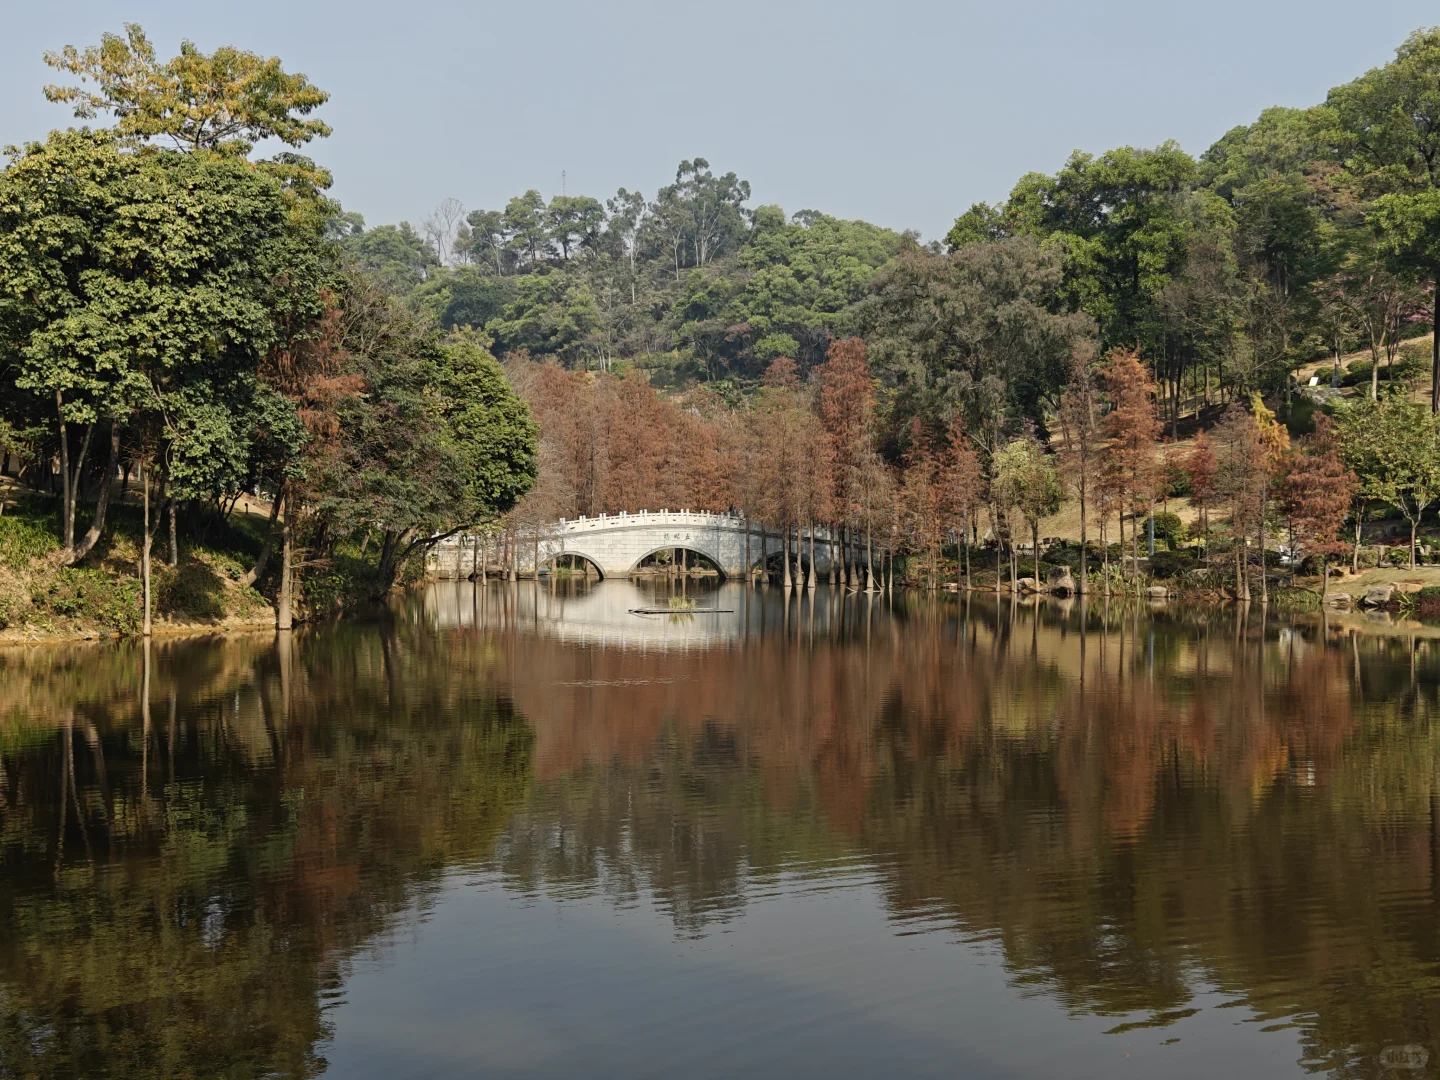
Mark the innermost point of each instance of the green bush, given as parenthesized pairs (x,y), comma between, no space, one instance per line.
(1168,564)
(1168,528)
(24,539)
(1368,558)
(1399,556)
(82,594)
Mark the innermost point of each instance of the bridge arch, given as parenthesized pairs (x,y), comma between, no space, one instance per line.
(695,549)
(589,560)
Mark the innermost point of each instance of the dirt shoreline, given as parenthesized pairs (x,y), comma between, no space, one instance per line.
(30,636)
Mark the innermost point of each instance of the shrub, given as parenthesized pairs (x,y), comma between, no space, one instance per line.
(25,539)
(1368,558)
(1399,556)
(1168,564)
(84,595)
(1169,528)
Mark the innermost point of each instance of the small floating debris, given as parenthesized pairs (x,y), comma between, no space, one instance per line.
(680,611)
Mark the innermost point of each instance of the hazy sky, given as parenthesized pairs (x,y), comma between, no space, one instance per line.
(902,113)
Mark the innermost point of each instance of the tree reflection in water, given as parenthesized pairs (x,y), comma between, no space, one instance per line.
(1133,805)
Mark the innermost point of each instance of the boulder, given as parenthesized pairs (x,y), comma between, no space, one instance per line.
(1060,581)
(1157,592)
(1027,584)
(1338,599)
(1378,595)
(1409,586)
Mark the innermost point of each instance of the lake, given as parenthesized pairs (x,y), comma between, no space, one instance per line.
(517,830)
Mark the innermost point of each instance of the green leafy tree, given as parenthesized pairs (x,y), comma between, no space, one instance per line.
(145,297)
(396,255)
(1393,446)
(1027,482)
(575,222)
(1386,131)
(438,441)
(527,231)
(976,332)
(227,100)
(1119,219)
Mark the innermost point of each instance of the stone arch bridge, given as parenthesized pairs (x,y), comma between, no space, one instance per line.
(616,544)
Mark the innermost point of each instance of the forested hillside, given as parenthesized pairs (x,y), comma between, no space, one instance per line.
(176,309)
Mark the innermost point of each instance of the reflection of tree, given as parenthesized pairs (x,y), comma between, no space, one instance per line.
(1150,806)
(1207,805)
(220,867)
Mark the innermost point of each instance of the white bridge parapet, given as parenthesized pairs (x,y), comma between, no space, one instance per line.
(615,544)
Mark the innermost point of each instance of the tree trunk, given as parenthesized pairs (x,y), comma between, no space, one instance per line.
(1105,558)
(969,582)
(810,576)
(869,560)
(960,552)
(67,525)
(999,550)
(253,575)
(1355,550)
(1324,576)
(1084,584)
(748,564)
(1035,549)
(1242,579)
(144,550)
(1435,348)
(284,615)
(1414,524)
(785,556)
(174,542)
(764,553)
(102,502)
(1264,585)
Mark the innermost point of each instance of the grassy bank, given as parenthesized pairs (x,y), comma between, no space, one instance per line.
(101,595)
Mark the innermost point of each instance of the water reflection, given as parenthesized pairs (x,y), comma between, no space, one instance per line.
(1202,825)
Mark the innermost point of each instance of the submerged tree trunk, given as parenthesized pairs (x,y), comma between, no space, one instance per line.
(869,560)
(1242,579)
(999,551)
(1264,584)
(145,550)
(284,614)
(748,564)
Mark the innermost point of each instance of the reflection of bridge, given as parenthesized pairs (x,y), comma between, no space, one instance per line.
(616,544)
(603,614)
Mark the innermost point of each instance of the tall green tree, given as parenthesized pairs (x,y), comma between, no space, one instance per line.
(1385,128)
(1393,446)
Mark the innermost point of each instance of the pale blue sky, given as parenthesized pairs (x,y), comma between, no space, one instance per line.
(902,113)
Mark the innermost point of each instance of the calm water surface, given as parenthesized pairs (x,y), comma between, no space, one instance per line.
(522,832)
